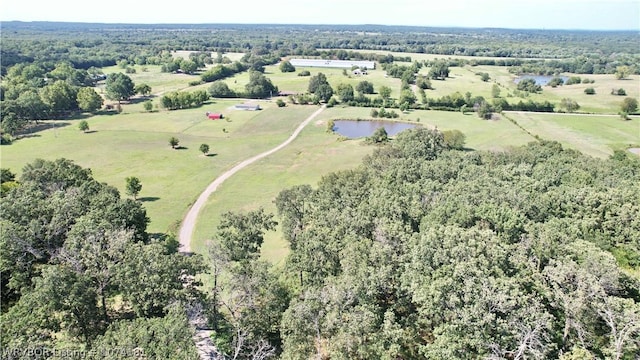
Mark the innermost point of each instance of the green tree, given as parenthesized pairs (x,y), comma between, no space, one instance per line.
(168,337)
(345,92)
(204,149)
(484,110)
(454,139)
(119,86)
(89,100)
(365,87)
(569,105)
(241,235)
(439,70)
(30,106)
(76,306)
(148,105)
(316,81)
(379,136)
(220,89)
(60,96)
(324,92)
(423,82)
(629,105)
(133,186)
(529,85)
(142,89)
(96,250)
(286,66)
(6,176)
(407,96)
(385,92)
(83,126)
(495,91)
(260,86)
(168,278)
(173,141)
(622,72)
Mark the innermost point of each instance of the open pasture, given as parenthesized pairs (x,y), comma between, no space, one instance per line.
(597,136)
(136,144)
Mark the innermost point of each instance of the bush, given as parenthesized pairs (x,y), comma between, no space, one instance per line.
(529,85)
(573,80)
(304,73)
(330,126)
(556,81)
(454,139)
(280,103)
(619,92)
(590,91)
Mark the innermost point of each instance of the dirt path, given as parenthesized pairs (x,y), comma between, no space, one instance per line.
(189,221)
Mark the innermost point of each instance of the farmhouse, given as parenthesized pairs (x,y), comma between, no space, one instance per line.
(248,107)
(341,64)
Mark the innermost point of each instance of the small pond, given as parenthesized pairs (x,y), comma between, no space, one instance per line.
(356,129)
(541,80)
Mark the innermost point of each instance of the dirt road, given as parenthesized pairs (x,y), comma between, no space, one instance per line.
(189,222)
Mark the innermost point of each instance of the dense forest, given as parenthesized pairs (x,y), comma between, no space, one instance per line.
(420,252)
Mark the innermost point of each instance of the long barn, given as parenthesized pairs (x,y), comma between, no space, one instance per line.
(342,64)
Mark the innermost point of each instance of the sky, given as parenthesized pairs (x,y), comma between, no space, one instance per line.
(515,14)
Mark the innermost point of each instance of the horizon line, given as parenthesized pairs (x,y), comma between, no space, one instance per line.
(321,24)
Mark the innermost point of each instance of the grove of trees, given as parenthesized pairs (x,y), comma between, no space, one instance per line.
(70,246)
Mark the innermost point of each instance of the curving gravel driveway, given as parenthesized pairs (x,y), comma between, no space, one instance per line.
(189,221)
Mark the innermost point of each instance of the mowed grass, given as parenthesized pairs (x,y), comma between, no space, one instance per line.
(136,144)
(602,102)
(313,154)
(596,136)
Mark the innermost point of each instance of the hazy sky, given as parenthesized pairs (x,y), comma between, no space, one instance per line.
(528,14)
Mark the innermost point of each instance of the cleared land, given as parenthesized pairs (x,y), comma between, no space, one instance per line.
(135,143)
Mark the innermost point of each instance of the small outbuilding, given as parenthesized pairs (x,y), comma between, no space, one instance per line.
(214,116)
(249,107)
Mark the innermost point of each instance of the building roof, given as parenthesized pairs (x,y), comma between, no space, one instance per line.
(343,64)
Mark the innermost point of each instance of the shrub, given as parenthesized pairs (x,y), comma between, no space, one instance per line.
(280,103)
(573,80)
(304,73)
(590,91)
(330,125)
(619,92)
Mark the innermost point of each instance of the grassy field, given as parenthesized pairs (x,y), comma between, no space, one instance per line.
(592,135)
(313,154)
(135,143)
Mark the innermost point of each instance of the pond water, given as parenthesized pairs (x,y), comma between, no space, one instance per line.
(356,129)
(541,80)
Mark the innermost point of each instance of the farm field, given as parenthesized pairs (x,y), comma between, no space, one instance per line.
(135,142)
(597,136)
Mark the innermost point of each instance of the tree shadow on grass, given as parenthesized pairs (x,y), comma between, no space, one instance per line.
(148,199)
(91,131)
(211,155)
(180,148)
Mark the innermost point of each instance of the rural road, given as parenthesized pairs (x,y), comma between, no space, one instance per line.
(189,221)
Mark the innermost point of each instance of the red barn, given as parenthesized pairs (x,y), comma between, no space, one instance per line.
(214,116)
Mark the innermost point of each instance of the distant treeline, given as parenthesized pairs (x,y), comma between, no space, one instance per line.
(99,45)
